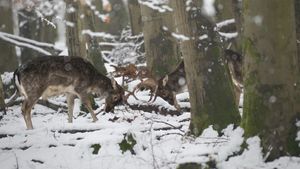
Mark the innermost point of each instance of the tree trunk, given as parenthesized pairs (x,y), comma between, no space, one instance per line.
(209,84)
(8,59)
(33,27)
(135,16)
(118,16)
(162,50)
(93,52)
(75,43)
(270,75)
(2,103)
(47,33)
(225,11)
(297,14)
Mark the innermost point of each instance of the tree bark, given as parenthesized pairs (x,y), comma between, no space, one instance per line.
(161,49)
(297,14)
(32,26)
(8,59)
(2,103)
(135,16)
(270,75)
(209,84)
(75,42)
(93,50)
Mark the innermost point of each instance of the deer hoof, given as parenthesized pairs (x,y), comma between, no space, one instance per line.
(95,119)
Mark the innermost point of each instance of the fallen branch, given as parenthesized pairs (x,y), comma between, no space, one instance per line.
(154,108)
(41,47)
(45,103)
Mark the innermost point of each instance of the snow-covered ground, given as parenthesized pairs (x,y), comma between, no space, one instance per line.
(159,142)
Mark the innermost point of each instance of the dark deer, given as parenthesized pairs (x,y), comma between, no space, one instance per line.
(53,75)
(235,64)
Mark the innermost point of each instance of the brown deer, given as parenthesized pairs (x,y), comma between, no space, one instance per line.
(53,75)
(165,87)
(129,71)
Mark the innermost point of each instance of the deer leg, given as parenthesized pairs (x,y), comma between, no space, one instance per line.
(26,112)
(87,103)
(70,101)
(155,95)
(176,105)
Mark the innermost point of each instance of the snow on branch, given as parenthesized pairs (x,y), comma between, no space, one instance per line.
(29,43)
(34,42)
(21,44)
(159,5)
(98,34)
(225,23)
(40,15)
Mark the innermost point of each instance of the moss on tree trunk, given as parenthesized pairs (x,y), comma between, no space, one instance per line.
(209,84)
(270,76)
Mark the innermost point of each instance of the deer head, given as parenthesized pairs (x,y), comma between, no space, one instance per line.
(115,98)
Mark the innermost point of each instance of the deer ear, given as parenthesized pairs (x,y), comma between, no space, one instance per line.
(165,80)
(114,84)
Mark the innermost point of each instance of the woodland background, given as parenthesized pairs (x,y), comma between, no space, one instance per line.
(160,34)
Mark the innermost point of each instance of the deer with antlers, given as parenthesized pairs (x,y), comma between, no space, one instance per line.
(54,75)
(165,87)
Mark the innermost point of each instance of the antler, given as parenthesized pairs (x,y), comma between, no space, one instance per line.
(129,71)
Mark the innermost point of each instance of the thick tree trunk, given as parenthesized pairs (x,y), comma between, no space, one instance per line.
(209,84)
(270,75)
(297,14)
(162,50)
(135,16)
(33,27)
(225,11)
(8,59)
(93,51)
(75,41)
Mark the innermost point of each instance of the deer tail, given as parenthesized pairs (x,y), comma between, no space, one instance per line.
(16,79)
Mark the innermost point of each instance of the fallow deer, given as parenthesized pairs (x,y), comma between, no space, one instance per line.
(129,71)
(53,75)
(165,87)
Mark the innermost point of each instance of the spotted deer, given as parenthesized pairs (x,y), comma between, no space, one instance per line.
(165,87)
(54,75)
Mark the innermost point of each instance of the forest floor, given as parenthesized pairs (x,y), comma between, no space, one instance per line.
(125,139)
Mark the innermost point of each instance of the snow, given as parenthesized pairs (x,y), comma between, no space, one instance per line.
(208,8)
(97,34)
(11,38)
(180,37)
(225,23)
(229,35)
(161,140)
(7,77)
(159,5)
(258,20)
